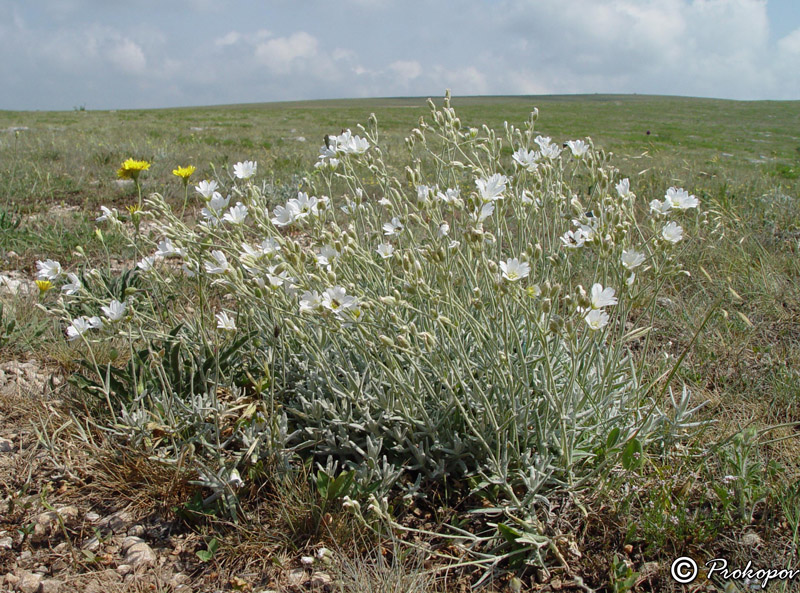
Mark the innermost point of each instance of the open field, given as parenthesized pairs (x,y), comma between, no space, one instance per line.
(732,322)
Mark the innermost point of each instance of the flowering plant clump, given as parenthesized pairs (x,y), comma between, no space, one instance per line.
(413,324)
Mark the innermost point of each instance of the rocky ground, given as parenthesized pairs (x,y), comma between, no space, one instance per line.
(61,530)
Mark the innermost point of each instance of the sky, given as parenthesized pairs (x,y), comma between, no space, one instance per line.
(115,54)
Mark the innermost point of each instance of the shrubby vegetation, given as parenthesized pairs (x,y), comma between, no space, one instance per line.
(472,319)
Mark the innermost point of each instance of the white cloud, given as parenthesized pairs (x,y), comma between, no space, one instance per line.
(127,56)
(281,54)
(791,43)
(406,70)
(462,81)
(66,52)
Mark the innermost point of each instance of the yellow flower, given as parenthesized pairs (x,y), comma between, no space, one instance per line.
(133,208)
(184,172)
(130,169)
(44,285)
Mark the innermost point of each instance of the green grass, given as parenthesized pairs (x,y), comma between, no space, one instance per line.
(742,159)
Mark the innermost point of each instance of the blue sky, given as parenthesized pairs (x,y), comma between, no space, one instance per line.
(110,54)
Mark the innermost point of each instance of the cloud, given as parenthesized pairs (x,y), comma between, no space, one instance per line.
(55,54)
(281,54)
(127,56)
(791,43)
(405,70)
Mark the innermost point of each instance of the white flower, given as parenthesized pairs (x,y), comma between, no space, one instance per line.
(602,297)
(385,250)
(326,255)
(215,205)
(245,170)
(115,310)
(424,193)
(146,263)
(189,269)
(167,249)
(48,270)
(270,246)
(225,322)
(660,207)
(237,214)
(206,189)
(304,205)
(310,301)
(450,196)
(485,212)
(680,199)
(672,232)
(250,254)
(81,325)
(492,189)
(337,300)
(385,202)
(344,143)
(217,202)
(574,239)
(632,259)
(285,215)
(235,480)
(578,147)
(443,230)
(528,199)
(322,554)
(551,151)
(219,265)
(73,286)
(624,188)
(596,319)
(527,159)
(393,228)
(514,270)
(107,214)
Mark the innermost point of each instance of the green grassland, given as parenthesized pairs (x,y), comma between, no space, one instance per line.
(742,160)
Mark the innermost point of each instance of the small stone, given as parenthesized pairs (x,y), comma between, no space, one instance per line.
(140,555)
(69,514)
(118,522)
(178,579)
(124,569)
(136,531)
(649,569)
(51,585)
(320,580)
(6,543)
(751,540)
(296,577)
(130,541)
(92,517)
(91,544)
(11,579)
(6,445)
(29,582)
